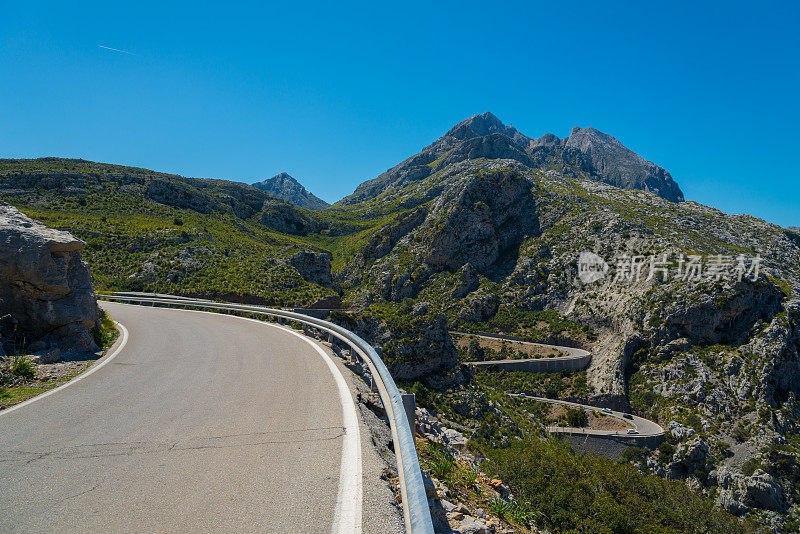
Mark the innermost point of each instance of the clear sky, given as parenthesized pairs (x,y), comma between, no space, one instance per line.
(335,93)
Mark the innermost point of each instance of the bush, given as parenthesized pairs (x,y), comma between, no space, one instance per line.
(750,466)
(576,417)
(177,221)
(665,451)
(23,367)
(105,334)
(567,492)
(740,433)
(635,454)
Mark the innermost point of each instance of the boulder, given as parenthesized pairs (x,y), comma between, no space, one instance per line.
(46,295)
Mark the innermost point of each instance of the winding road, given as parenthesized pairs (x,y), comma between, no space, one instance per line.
(575,359)
(644,427)
(200,422)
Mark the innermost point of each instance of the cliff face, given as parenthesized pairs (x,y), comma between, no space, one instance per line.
(713,354)
(46,296)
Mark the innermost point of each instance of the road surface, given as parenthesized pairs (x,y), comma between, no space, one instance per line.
(202,422)
(644,427)
(575,358)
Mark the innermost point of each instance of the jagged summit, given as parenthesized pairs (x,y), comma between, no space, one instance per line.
(284,187)
(586,152)
(479,125)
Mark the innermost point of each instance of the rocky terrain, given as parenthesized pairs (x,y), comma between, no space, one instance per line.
(691,314)
(46,299)
(284,187)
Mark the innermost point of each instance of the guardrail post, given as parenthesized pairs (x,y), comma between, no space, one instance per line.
(410,406)
(373,384)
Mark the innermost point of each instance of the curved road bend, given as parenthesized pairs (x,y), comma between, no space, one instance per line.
(571,352)
(202,422)
(645,427)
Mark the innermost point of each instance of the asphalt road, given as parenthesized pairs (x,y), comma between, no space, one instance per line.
(644,427)
(201,422)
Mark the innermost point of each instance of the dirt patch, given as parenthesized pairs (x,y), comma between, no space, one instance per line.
(593,420)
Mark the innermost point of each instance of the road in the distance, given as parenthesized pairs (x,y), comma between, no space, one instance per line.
(644,427)
(201,423)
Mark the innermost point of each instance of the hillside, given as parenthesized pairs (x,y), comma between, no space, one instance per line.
(159,232)
(549,239)
(284,187)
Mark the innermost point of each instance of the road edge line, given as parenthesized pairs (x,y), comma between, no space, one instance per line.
(347,518)
(93,368)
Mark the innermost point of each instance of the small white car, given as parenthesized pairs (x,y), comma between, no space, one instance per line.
(632,431)
(606,410)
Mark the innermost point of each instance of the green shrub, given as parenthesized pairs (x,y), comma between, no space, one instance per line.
(567,492)
(635,454)
(665,451)
(750,466)
(740,433)
(23,367)
(105,334)
(576,417)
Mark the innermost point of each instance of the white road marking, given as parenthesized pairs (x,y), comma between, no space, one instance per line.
(347,515)
(78,378)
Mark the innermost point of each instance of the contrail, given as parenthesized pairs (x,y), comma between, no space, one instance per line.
(116,50)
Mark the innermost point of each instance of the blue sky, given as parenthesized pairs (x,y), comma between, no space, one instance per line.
(336,93)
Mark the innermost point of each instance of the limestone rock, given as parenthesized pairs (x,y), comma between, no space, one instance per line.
(45,287)
(738,493)
(313,266)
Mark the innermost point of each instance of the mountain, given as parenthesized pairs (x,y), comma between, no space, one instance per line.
(794,229)
(487,230)
(587,153)
(489,234)
(286,188)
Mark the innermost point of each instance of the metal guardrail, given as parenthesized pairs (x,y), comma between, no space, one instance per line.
(416,513)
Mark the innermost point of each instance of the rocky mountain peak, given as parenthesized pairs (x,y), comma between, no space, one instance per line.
(478,126)
(284,187)
(608,159)
(587,152)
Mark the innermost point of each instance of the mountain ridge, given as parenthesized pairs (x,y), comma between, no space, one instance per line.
(484,243)
(586,152)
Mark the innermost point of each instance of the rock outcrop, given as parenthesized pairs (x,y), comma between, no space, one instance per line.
(46,296)
(284,187)
(415,348)
(312,266)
